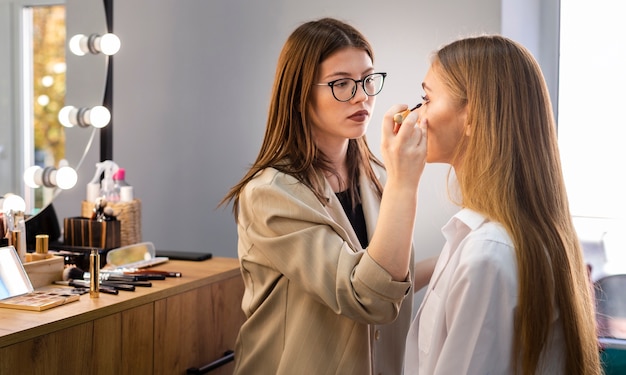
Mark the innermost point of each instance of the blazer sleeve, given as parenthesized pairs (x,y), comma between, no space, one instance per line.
(284,228)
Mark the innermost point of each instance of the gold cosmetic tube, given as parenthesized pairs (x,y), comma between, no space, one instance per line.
(94,271)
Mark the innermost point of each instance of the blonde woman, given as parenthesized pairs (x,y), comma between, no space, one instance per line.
(510,292)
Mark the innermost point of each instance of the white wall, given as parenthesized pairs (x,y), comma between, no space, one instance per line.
(191,86)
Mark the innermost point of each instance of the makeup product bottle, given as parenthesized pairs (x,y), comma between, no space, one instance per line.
(20,226)
(94,270)
(41,248)
(122,188)
(108,187)
(18,244)
(102,187)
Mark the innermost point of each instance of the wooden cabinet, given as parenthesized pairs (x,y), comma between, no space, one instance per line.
(176,324)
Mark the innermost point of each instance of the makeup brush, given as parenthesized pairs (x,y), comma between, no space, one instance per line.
(75,273)
(141,275)
(85,285)
(398,118)
(153,273)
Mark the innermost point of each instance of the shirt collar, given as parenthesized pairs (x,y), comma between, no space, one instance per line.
(464,221)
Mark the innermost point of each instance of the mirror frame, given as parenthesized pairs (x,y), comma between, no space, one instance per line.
(85,86)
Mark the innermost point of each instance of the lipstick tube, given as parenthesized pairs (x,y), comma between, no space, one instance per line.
(94,270)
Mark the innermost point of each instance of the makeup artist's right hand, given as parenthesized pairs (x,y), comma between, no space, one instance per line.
(404,155)
(404,148)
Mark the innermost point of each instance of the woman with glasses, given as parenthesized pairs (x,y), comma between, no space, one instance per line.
(326,257)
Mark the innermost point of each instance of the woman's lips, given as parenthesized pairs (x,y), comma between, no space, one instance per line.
(359,116)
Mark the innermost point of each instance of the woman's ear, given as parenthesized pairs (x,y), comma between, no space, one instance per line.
(463,118)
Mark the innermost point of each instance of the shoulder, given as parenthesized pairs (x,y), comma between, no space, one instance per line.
(273,187)
(488,247)
(273,179)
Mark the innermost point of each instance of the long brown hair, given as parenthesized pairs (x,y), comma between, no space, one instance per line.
(509,170)
(288,142)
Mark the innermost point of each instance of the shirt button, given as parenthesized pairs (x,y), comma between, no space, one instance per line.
(377,335)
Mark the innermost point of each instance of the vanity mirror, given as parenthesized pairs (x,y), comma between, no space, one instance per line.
(85,81)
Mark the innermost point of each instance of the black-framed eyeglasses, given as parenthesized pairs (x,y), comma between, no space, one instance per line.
(344,89)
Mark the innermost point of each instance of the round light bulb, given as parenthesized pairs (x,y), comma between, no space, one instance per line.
(99,116)
(66,178)
(32,176)
(13,203)
(64,116)
(75,45)
(110,44)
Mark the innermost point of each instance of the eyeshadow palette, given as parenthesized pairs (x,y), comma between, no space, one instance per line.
(17,292)
(40,300)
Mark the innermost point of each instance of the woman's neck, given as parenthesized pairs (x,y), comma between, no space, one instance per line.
(336,154)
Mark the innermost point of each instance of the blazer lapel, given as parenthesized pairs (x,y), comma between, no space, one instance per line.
(341,223)
(370,202)
(371,208)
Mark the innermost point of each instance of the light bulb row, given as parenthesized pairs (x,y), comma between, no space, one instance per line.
(97,116)
(109,44)
(65,177)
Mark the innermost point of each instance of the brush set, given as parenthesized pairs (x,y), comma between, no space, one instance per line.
(74,276)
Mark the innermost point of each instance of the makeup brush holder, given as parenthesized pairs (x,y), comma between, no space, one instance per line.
(84,232)
(129,216)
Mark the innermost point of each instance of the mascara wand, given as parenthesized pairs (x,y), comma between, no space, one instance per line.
(398,118)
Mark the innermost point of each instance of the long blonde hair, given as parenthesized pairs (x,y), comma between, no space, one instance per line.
(288,142)
(509,170)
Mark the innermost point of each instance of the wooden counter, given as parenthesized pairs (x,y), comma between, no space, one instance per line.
(176,324)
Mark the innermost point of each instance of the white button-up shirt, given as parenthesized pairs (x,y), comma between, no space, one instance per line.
(465,322)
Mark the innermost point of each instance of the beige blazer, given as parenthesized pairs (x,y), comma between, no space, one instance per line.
(316,302)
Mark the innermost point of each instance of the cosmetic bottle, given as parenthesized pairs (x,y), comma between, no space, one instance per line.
(104,188)
(122,188)
(107,185)
(18,235)
(16,242)
(94,270)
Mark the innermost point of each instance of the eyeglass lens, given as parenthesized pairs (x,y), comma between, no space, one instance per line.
(344,89)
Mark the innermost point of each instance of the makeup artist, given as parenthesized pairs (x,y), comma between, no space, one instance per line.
(325,239)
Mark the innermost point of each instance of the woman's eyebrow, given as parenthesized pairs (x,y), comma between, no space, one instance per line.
(368,71)
(336,74)
(348,74)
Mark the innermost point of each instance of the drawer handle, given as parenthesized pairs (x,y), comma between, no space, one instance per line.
(229,356)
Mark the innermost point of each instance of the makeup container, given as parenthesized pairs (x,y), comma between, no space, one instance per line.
(41,244)
(94,270)
(41,249)
(18,244)
(123,189)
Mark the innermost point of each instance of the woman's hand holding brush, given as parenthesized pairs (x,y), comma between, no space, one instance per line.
(398,118)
